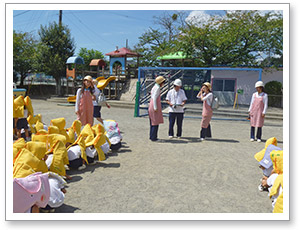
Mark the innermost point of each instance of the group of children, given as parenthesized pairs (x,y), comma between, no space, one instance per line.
(42,156)
(271,163)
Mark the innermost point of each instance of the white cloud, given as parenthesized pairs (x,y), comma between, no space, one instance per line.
(198,17)
(201,17)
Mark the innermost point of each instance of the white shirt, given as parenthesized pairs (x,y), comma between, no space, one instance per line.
(155,92)
(265,100)
(74,152)
(96,93)
(78,96)
(176,98)
(207,97)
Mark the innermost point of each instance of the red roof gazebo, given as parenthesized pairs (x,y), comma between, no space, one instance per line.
(121,55)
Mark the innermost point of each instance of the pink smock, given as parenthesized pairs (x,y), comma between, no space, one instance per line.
(86,108)
(206,114)
(155,117)
(256,119)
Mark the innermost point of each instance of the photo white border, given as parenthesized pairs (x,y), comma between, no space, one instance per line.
(144,216)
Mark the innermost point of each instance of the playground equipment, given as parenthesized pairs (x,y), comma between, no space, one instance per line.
(121,56)
(102,83)
(73,72)
(192,79)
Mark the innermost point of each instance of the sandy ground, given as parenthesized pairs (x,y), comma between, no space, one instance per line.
(170,176)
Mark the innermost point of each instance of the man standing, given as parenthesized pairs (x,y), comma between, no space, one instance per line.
(176,99)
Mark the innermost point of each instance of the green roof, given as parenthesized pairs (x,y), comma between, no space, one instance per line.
(178,55)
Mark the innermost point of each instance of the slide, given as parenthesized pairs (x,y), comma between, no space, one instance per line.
(102,83)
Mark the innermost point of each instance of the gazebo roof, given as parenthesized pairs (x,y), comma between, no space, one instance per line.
(97,62)
(172,56)
(75,59)
(122,52)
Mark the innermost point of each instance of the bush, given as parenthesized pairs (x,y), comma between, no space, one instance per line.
(274,91)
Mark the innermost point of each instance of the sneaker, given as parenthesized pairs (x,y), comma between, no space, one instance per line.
(82,167)
(170,137)
(258,140)
(201,139)
(251,139)
(260,188)
(178,137)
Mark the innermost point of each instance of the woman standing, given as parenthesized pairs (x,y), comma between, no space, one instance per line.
(84,108)
(206,96)
(257,110)
(154,110)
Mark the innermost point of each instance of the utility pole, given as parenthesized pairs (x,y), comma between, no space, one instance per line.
(60,17)
(127,43)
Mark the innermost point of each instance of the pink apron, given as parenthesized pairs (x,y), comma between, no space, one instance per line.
(206,114)
(155,117)
(256,119)
(86,108)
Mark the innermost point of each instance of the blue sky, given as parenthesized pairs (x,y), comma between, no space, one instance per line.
(101,30)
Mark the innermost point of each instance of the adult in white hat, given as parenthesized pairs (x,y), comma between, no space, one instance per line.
(257,110)
(84,108)
(206,96)
(176,99)
(154,110)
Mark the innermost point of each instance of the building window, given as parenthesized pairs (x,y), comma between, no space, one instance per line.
(227,85)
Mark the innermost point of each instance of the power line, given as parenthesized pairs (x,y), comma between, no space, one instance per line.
(92,30)
(21,13)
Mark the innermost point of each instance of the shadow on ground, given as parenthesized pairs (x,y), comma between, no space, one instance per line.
(66,209)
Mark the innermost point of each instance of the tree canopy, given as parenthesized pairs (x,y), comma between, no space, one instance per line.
(55,48)
(239,38)
(89,55)
(24,48)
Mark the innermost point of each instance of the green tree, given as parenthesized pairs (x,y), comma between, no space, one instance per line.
(89,55)
(56,47)
(239,38)
(24,48)
(157,42)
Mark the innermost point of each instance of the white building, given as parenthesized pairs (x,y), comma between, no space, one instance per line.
(226,83)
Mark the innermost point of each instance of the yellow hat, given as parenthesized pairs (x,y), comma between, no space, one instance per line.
(53,129)
(160,79)
(18,145)
(18,107)
(97,142)
(208,85)
(39,126)
(98,128)
(27,102)
(59,122)
(60,158)
(74,129)
(81,142)
(25,156)
(22,170)
(260,155)
(32,120)
(37,148)
(278,208)
(88,133)
(76,125)
(277,160)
